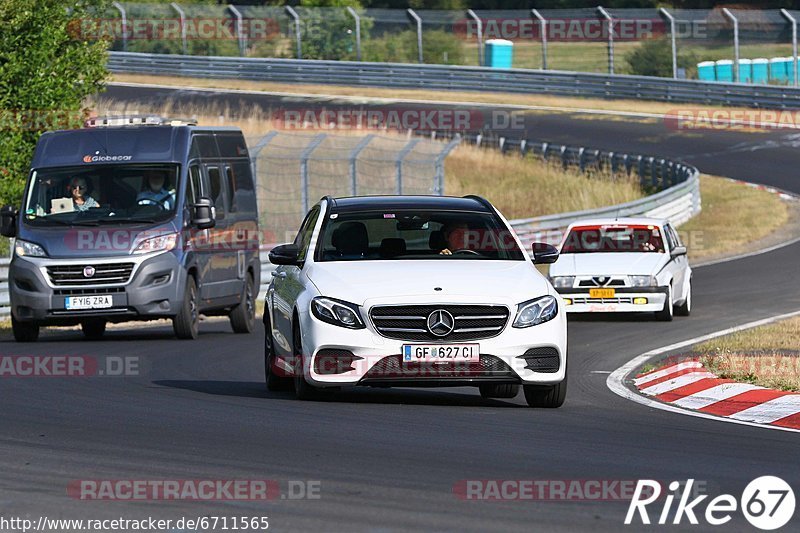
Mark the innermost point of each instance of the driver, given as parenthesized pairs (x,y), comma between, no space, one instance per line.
(155,192)
(457,236)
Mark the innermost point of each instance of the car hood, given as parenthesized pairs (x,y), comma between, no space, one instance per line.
(476,281)
(622,263)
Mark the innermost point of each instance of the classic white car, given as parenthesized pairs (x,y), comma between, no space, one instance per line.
(623,265)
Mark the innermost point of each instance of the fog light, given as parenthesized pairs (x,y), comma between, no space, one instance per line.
(639,301)
(567,301)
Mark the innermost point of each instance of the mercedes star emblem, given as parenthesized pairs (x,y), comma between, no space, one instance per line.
(441,323)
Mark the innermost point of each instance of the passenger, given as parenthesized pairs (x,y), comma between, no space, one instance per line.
(156,194)
(79,189)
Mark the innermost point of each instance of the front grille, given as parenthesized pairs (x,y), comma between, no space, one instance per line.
(601,300)
(105,274)
(592,283)
(393,367)
(410,322)
(542,360)
(86,292)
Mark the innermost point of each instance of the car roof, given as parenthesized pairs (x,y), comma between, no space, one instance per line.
(398,202)
(621,221)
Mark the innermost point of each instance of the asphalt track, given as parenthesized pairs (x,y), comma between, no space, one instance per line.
(388,460)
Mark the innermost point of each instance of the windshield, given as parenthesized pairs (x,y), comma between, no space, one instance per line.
(628,238)
(102,194)
(407,234)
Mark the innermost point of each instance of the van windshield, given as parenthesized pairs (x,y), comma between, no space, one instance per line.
(109,194)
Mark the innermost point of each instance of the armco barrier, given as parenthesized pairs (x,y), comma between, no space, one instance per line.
(442,77)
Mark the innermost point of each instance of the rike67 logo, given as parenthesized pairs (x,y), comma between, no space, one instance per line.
(767,502)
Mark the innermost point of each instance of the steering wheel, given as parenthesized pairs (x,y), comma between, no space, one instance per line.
(466,251)
(150,201)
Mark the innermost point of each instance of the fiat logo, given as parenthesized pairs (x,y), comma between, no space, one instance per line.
(441,323)
(88,271)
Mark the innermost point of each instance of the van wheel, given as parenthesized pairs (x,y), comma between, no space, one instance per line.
(499,390)
(273,381)
(93,329)
(547,396)
(24,331)
(185,322)
(243,316)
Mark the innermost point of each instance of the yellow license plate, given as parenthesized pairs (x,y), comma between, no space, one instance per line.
(602,293)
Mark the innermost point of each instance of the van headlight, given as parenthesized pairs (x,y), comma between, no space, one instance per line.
(535,312)
(337,312)
(28,249)
(642,281)
(162,243)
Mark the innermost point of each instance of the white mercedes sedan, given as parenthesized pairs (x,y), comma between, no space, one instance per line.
(413,291)
(623,265)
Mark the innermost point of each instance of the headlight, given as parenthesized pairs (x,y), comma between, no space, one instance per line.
(337,312)
(535,312)
(563,282)
(29,249)
(642,281)
(162,243)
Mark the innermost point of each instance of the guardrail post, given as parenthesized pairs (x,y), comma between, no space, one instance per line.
(641,171)
(353,159)
(545,146)
(124,19)
(671,20)
(793,20)
(610,20)
(358,31)
(438,186)
(182,17)
(239,29)
(297,33)
(729,15)
(316,141)
(418,20)
(543,32)
(522,145)
(479,23)
(564,155)
(581,161)
(653,173)
(399,163)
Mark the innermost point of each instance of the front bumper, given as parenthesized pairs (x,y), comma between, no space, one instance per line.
(580,301)
(154,290)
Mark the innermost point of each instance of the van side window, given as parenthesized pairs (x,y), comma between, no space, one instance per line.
(303,239)
(195,184)
(230,188)
(216,192)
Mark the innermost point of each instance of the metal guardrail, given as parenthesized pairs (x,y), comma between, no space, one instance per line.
(460,78)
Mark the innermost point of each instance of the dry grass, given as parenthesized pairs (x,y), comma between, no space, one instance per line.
(768,355)
(753,213)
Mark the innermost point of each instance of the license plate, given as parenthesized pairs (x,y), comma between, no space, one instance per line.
(100,301)
(426,353)
(602,293)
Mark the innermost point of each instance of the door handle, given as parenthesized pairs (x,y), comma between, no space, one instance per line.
(280,275)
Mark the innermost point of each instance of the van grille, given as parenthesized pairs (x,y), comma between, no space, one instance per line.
(410,322)
(104,274)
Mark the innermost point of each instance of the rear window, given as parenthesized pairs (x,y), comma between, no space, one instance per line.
(622,238)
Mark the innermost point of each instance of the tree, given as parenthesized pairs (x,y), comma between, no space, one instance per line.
(47,69)
(654,58)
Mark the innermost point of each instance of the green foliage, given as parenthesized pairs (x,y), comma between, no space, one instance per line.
(438,46)
(45,74)
(654,58)
(329,33)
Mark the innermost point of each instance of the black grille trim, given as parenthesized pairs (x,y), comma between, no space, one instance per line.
(105,274)
(409,322)
(545,360)
(88,291)
(393,368)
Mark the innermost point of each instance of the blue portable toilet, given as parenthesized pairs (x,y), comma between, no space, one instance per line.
(791,64)
(705,71)
(760,70)
(499,53)
(777,70)
(745,71)
(724,68)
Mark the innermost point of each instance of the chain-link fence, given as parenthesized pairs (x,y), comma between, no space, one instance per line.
(294,170)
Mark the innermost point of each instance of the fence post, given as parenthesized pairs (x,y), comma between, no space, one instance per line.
(479,22)
(239,29)
(438,185)
(399,162)
(264,141)
(124,17)
(307,151)
(543,32)
(610,20)
(353,157)
(358,31)
(793,20)
(729,15)
(671,20)
(418,20)
(297,36)
(182,17)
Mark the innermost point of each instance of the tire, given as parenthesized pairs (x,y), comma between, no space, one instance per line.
(24,331)
(243,316)
(546,396)
(666,314)
(499,390)
(185,324)
(93,329)
(271,380)
(302,389)
(685,309)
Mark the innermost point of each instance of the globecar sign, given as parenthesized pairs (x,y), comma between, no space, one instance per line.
(105,158)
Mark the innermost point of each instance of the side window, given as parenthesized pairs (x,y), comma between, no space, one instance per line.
(671,239)
(230,188)
(195,190)
(216,190)
(303,238)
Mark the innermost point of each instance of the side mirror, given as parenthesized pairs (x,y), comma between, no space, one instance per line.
(285,254)
(678,250)
(203,213)
(544,254)
(8,221)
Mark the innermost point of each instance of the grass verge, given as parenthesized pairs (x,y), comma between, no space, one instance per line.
(768,356)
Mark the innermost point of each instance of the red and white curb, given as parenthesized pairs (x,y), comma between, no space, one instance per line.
(689,385)
(783,195)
